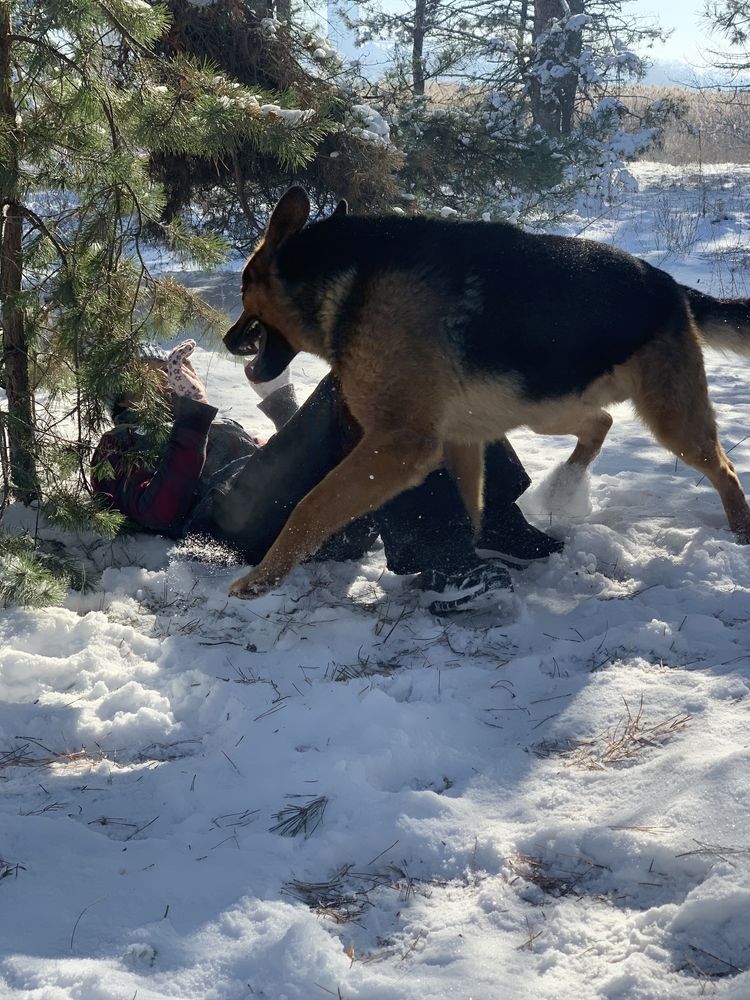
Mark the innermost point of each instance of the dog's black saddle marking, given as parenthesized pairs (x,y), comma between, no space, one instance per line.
(555,312)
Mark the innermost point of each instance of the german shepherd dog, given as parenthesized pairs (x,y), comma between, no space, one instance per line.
(447,335)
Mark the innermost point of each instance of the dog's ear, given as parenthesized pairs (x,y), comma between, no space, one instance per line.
(341,209)
(289,216)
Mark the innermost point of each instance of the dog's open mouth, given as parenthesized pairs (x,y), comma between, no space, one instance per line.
(254,348)
(267,350)
(246,340)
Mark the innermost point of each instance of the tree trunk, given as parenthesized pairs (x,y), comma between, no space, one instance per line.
(553,106)
(417,48)
(20,424)
(523,18)
(569,84)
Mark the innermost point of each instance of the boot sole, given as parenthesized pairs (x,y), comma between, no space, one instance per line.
(515,562)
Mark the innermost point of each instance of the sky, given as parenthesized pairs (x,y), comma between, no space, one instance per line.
(690,36)
(686,49)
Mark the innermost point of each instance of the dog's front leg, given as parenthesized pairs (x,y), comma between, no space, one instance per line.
(379,468)
(466,463)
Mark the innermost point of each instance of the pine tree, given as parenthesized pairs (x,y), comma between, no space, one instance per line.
(731,19)
(18,423)
(85,102)
(518,102)
(294,72)
(76,291)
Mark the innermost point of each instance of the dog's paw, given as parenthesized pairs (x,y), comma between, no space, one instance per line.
(249,587)
(565,493)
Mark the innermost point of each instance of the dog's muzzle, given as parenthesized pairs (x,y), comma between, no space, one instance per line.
(267,349)
(243,339)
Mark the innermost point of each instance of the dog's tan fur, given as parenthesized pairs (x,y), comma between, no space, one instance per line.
(417,408)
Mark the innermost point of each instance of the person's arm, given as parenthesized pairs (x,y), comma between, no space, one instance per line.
(159,499)
(278,400)
(280,405)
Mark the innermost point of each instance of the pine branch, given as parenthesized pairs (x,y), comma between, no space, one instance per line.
(294,819)
(39,224)
(52,49)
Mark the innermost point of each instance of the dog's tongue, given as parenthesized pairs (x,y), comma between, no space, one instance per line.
(250,370)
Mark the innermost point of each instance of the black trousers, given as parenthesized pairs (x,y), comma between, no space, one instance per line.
(426,527)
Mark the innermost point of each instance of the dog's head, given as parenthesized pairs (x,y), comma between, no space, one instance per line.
(268,331)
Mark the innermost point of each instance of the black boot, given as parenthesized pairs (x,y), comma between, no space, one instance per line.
(480,585)
(505,532)
(427,528)
(508,536)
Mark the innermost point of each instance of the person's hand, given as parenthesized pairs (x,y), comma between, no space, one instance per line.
(181,376)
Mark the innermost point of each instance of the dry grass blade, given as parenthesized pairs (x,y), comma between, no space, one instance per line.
(345,896)
(412,946)
(619,744)
(163,752)
(234,820)
(706,966)
(294,819)
(401,880)
(31,753)
(532,935)
(44,810)
(333,898)
(715,851)
(555,878)
(18,756)
(9,870)
(338,994)
(364,667)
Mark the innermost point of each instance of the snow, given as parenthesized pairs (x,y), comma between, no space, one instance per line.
(289,116)
(322,49)
(551,805)
(374,127)
(577,22)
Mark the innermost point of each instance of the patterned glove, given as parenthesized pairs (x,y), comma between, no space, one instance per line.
(181,376)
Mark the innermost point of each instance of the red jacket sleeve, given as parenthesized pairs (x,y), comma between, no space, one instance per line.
(160,498)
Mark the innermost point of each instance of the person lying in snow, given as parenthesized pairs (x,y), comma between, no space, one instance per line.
(214,479)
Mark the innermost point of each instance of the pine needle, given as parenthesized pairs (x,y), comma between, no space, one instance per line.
(293,819)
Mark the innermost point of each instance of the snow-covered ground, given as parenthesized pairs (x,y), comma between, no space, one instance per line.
(552,807)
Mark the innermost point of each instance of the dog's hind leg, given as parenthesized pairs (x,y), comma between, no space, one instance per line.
(699,446)
(591,435)
(586,422)
(466,463)
(381,466)
(671,396)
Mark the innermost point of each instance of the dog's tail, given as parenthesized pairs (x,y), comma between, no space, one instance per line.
(722,323)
